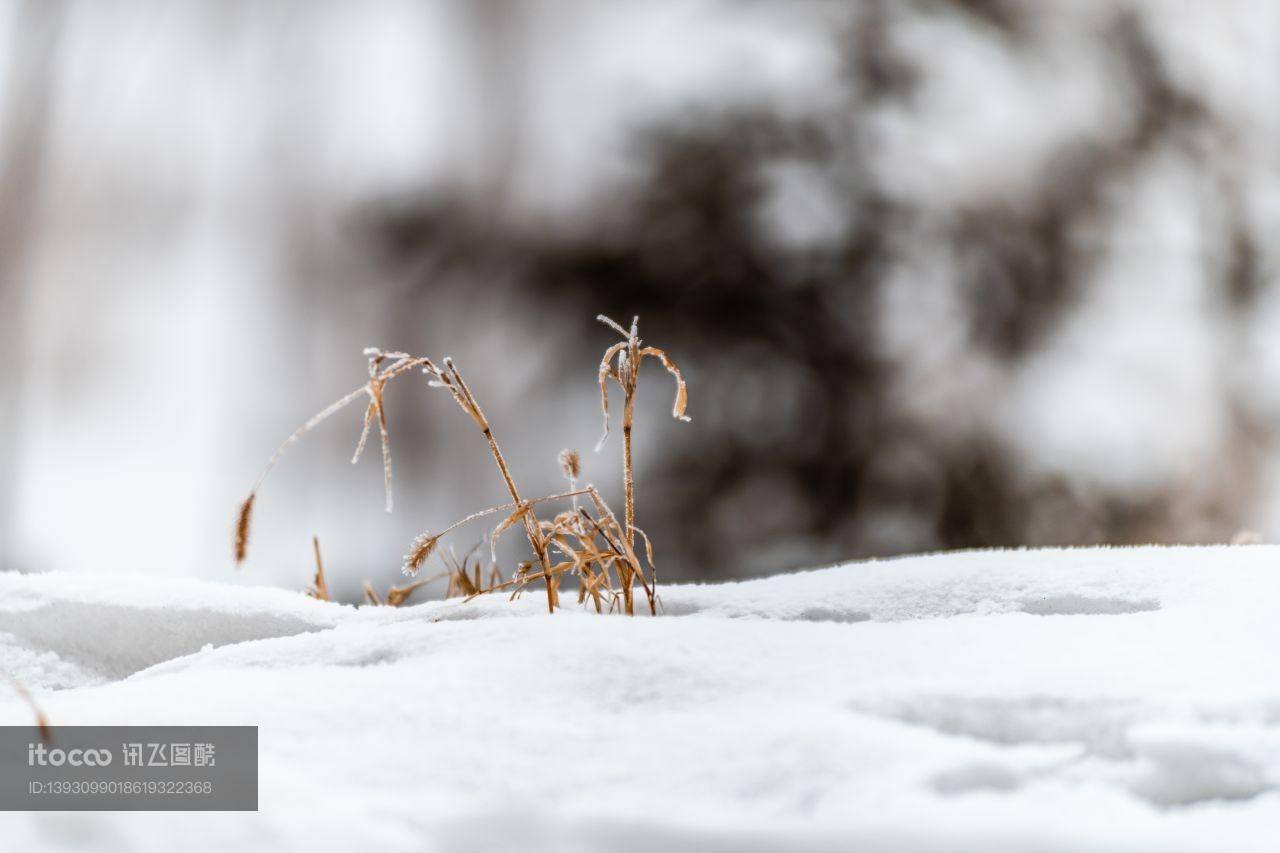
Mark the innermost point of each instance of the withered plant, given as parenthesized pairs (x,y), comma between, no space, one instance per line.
(621,363)
(597,549)
(396,595)
(467,578)
(592,548)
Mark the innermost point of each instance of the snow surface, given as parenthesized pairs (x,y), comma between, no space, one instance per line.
(989,701)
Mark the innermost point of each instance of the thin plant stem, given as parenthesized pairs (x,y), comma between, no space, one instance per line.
(531,526)
(629,483)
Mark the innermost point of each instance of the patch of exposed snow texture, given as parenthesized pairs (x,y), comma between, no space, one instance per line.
(1071,700)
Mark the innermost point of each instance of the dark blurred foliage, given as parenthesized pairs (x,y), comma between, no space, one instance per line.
(941,273)
(797,448)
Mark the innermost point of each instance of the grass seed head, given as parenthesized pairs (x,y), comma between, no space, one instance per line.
(419,551)
(242,528)
(570,463)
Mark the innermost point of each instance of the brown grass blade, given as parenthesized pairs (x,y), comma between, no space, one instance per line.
(319,589)
(605,373)
(520,514)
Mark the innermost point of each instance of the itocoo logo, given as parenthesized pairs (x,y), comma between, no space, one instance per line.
(38,755)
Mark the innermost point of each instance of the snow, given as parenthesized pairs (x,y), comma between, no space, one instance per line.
(1090,699)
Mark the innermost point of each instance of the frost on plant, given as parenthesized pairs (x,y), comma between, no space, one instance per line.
(586,540)
(621,363)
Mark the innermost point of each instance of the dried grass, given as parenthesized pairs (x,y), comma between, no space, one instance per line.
(621,363)
(467,578)
(319,589)
(374,389)
(586,542)
(398,595)
(464,580)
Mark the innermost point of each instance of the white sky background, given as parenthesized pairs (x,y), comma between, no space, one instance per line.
(170,336)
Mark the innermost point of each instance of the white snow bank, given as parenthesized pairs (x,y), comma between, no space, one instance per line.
(986,701)
(66,630)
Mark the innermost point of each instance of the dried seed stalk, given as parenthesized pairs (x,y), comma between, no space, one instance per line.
(592,548)
(373,389)
(621,363)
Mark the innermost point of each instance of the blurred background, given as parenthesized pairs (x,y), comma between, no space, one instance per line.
(941,273)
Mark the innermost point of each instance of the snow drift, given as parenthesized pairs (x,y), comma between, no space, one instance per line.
(988,701)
